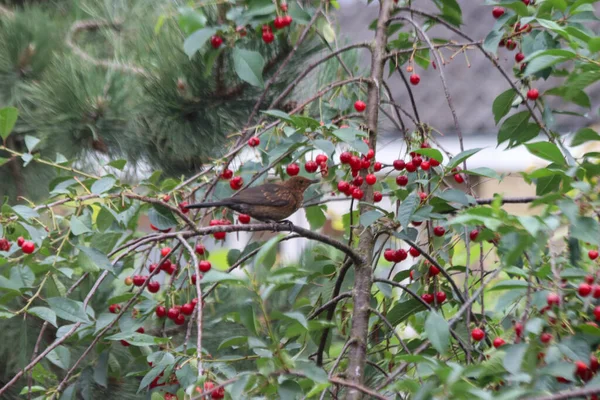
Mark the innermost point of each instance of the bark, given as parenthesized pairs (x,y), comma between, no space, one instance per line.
(363,273)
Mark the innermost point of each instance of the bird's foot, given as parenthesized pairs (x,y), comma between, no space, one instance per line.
(288,224)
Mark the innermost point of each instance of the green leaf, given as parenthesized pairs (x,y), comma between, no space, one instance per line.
(213,276)
(103,185)
(25,212)
(547,184)
(279,115)
(547,151)
(8,119)
(248,318)
(298,317)
(68,309)
(249,66)
(191,20)
(454,196)
(325,145)
(483,171)
(460,157)
(311,370)
(437,331)
(502,104)
(161,217)
(316,217)
(118,164)
(370,217)
(196,40)
(586,229)
(137,339)
(431,153)
(492,40)
(44,313)
(546,58)
(265,258)
(407,209)
(60,356)
(101,369)
(78,227)
(401,311)
(585,135)
(514,357)
(513,127)
(9,286)
(97,258)
(594,44)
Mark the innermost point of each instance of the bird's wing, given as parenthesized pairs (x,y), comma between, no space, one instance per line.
(269,194)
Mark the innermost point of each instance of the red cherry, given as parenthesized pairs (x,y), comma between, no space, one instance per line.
(287,20)
(358,181)
(370,154)
(526,2)
(187,309)
(427,298)
(402,180)
(194,279)
(518,329)
(439,231)
(497,12)
(138,280)
(459,178)
(267,36)
(357,194)
(434,162)
(311,166)
(519,57)
(412,274)
(166,266)
(400,255)
(360,106)
(422,196)
(414,252)
(161,312)
(179,320)
(440,297)
(279,23)
(292,169)
(473,234)
(4,244)
(415,79)
(477,334)
(253,141)
(388,254)
(345,157)
(545,337)
(20,241)
(377,197)
(410,167)
(173,313)
(417,161)
(553,299)
(582,370)
(511,44)
(244,218)
(594,364)
(597,313)
(216,41)
(183,207)
(165,251)
(584,289)
(204,266)
(425,165)
(125,343)
(416,223)
(321,158)
(589,279)
(365,164)
(153,287)
(399,165)
(236,183)
(28,247)
(284,7)
(433,270)
(593,254)
(533,94)
(355,163)
(200,249)
(498,342)
(140,329)
(377,166)
(343,186)
(166,198)
(227,174)
(371,179)
(114,308)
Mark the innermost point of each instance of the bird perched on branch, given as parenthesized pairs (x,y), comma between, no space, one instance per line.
(268,202)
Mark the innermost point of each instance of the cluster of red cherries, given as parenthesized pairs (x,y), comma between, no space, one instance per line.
(26,246)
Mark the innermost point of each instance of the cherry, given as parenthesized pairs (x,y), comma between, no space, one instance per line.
(128,281)
(360,106)
(545,337)
(533,94)
(553,299)
(410,167)
(417,161)
(20,241)
(593,254)
(388,254)
(218,394)
(28,247)
(402,180)
(343,186)
(519,57)
(526,2)
(518,329)
(165,266)
(377,166)
(439,231)
(357,194)
(179,320)
(321,158)
(236,182)
(153,287)
(400,255)
(425,165)
(159,230)
(582,370)
(194,278)
(422,196)
(412,274)
(473,234)
(173,313)
(200,249)
(345,157)
(140,329)
(114,308)
(279,23)
(511,44)
(594,364)
(440,297)
(497,12)
(161,312)
(414,252)
(355,163)
(584,289)
(166,198)
(138,280)
(254,141)
(311,166)
(433,270)
(589,279)
(358,181)
(284,7)
(216,41)
(399,165)
(226,174)
(371,179)
(458,178)
(165,251)
(267,36)
(416,223)
(365,164)
(4,245)
(287,20)
(434,162)
(477,334)
(498,342)
(597,313)
(204,266)
(427,298)
(183,207)
(187,308)
(377,197)
(370,154)
(415,79)
(292,169)
(244,218)
(125,343)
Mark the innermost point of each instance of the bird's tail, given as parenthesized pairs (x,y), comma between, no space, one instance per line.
(222,203)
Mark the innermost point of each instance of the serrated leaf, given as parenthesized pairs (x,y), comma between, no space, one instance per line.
(249,66)
(196,40)
(137,339)
(8,119)
(60,356)
(316,217)
(98,258)
(312,371)
(78,227)
(547,151)
(546,58)
(407,209)
(161,217)
(460,157)
(437,331)
(492,40)
(103,185)
(298,317)
(514,357)
(502,104)
(68,309)
(401,311)
(370,217)
(44,313)
(513,126)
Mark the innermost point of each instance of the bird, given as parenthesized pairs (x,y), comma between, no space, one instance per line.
(269,202)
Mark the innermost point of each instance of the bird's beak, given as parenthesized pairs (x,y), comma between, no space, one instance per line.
(314,181)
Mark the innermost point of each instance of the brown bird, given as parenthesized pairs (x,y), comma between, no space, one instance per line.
(268,202)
